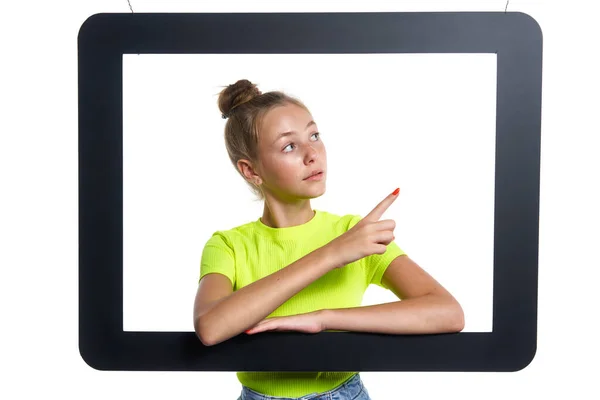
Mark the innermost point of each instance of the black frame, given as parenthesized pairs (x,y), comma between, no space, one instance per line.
(515,37)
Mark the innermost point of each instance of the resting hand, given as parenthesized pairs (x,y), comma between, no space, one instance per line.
(309,323)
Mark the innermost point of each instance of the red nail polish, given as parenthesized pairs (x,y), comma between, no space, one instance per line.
(395,192)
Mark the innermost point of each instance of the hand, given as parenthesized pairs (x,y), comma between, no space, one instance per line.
(310,323)
(369,236)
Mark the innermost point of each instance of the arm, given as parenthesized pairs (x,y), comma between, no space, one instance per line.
(220,313)
(426,306)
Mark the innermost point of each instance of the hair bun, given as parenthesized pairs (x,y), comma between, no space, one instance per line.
(236,94)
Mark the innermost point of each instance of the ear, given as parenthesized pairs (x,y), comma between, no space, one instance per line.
(249,172)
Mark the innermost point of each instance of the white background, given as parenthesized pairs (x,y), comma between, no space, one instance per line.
(424,122)
(39,227)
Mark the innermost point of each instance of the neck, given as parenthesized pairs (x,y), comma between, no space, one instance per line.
(282,215)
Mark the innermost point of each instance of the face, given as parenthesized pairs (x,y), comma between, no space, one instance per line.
(290,150)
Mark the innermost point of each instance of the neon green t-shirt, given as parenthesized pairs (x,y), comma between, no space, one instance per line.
(254,250)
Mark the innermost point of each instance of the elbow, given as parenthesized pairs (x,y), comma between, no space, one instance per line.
(203,333)
(456,321)
(206,340)
(450,317)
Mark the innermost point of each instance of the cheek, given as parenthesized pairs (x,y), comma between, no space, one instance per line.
(284,170)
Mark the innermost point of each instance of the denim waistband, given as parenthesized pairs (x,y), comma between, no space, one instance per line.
(347,390)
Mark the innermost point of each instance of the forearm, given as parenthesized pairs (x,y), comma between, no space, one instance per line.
(251,304)
(422,315)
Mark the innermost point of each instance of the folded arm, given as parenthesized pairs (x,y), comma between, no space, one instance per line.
(220,313)
(425,306)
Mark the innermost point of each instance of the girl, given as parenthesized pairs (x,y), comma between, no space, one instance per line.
(301,269)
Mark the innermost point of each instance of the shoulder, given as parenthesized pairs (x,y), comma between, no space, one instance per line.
(229,236)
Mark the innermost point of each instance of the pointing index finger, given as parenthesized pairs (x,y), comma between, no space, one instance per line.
(378,211)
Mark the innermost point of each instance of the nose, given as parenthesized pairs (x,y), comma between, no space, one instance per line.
(311,155)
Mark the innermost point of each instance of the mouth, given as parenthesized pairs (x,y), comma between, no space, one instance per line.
(314,176)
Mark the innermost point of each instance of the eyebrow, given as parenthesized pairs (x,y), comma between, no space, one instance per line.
(284,134)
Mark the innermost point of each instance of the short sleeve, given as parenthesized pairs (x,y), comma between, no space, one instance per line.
(354,219)
(218,257)
(376,264)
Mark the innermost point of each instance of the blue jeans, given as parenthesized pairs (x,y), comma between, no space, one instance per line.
(352,389)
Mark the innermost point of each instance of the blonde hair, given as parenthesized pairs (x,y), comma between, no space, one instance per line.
(244,106)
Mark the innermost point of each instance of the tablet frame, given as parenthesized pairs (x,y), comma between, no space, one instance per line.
(514,37)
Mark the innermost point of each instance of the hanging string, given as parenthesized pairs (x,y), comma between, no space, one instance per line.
(505,8)
(131,12)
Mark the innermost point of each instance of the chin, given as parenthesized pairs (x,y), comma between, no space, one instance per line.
(316,193)
(307,193)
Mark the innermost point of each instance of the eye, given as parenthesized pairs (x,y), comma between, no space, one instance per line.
(292,144)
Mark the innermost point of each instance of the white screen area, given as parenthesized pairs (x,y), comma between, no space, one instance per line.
(422,122)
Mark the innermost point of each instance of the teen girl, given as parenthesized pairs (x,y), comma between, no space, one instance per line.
(299,269)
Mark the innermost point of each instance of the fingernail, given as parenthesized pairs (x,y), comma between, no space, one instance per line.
(395,192)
